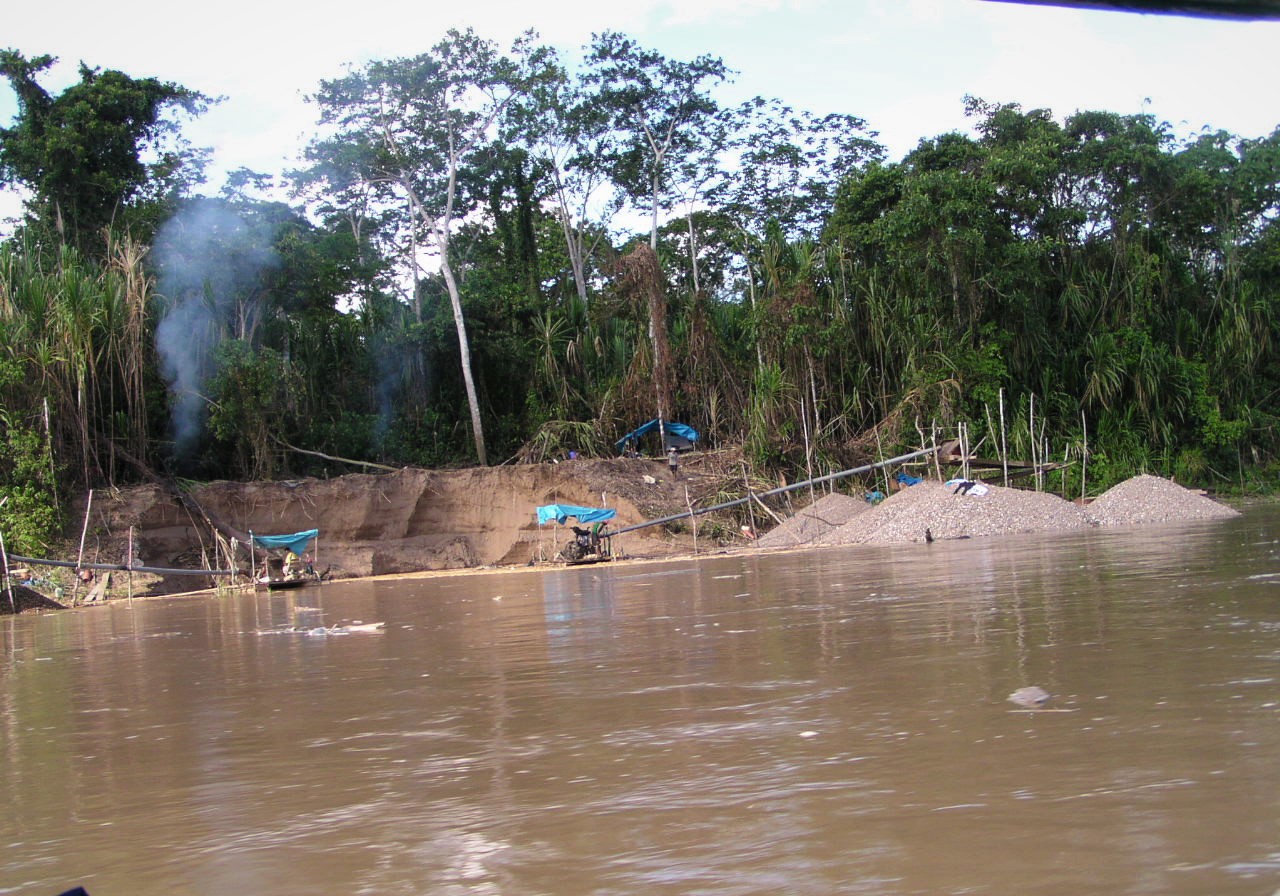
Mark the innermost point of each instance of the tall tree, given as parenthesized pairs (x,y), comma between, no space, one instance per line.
(660,108)
(568,129)
(408,127)
(97,153)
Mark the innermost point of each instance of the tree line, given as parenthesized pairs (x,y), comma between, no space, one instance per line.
(490,254)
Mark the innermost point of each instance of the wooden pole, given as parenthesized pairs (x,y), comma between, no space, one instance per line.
(692,516)
(129,565)
(933,443)
(1084,453)
(1004,442)
(84,530)
(4,560)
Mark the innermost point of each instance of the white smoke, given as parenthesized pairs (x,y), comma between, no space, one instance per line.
(210,262)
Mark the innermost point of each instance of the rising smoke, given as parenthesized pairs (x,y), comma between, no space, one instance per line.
(211,263)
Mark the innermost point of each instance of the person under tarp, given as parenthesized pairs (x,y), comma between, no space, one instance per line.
(586,541)
(294,546)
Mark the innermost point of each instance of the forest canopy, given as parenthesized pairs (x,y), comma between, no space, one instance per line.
(489,255)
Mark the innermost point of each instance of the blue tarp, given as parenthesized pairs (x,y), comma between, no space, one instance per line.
(297,542)
(562,512)
(684,431)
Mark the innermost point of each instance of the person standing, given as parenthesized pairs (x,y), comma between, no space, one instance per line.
(673,461)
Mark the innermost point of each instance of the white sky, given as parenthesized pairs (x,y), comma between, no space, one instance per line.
(903,65)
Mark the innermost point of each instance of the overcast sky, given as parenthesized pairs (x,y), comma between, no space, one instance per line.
(903,65)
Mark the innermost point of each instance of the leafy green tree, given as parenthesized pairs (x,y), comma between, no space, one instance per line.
(253,406)
(407,129)
(660,108)
(29,511)
(97,155)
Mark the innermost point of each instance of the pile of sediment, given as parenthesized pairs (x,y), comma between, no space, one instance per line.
(1150,499)
(932,510)
(20,599)
(814,522)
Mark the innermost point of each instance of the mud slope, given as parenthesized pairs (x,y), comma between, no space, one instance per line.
(406,521)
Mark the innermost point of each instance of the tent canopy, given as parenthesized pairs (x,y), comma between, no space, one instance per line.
(297,542)
(679,435)
(563,512)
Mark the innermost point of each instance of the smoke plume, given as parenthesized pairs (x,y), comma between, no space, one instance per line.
(211,263)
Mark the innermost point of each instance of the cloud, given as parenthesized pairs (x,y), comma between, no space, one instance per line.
(903,66)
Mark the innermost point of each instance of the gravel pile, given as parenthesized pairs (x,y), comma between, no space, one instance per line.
(930,505)
(1150,499)
(815,521)
(906,515)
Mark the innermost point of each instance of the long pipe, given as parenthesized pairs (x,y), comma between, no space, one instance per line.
(777,491)
(122,567)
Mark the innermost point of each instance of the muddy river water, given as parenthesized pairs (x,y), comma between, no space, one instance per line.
(817,722)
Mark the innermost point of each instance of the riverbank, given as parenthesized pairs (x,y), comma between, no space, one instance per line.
(419,522)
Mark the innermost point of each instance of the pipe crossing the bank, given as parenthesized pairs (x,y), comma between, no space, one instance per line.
(830,477)
(123,567)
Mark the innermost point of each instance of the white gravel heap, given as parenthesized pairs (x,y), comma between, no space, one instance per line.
(904,516)
(1151,499)
(815,521)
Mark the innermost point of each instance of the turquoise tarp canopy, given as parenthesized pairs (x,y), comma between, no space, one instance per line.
(681,431)
(562,512)
(297,542)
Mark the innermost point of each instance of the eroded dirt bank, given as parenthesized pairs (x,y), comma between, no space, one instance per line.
(419,520)
(407,521)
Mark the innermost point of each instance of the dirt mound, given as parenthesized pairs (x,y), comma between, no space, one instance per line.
(1152,499)
(933,508)
(814,522)
(25,599)
(906,515)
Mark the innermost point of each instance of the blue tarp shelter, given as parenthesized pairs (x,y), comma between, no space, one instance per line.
(560,513)
(297,542)
(678,435)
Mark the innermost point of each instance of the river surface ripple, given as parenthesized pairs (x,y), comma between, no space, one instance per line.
(817,722)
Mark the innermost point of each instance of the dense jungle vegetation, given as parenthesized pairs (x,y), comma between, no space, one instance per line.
(489,254)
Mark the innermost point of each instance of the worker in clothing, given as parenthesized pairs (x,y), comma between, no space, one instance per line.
(292,565)
(673,461)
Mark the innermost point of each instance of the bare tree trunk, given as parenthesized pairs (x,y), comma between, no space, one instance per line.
(464,349)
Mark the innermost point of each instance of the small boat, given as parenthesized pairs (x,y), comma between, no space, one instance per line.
(283,584)
(294,570)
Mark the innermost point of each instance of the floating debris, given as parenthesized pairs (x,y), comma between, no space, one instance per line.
(321,631)
(1030,697)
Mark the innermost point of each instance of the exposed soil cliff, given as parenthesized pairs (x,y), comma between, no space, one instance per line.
(407,521)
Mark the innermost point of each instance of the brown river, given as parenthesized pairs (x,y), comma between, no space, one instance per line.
(815,722)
